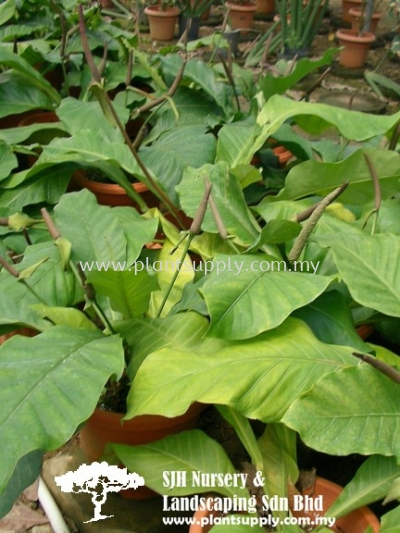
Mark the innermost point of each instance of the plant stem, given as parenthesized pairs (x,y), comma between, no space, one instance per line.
(389,371)
(309,226)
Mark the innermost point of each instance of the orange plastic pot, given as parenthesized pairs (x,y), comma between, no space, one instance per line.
(162,22)
(241,16)
(355,49)
(357,18)
(107,427)
(112,194)
(355,522)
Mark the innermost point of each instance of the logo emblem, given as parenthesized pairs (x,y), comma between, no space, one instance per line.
(98,479)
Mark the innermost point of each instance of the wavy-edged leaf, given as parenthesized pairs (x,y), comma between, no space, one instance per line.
(64,363)
(370,484)
(369,267)
(189,451)
(242,291)
(332,418)
(316,178)
(260,377)
(65,316)
(93,230)
(315,118)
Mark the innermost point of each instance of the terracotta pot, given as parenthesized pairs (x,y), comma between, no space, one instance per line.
(105,427)
(355,48)
(281,153)
(357,18)
(110,193)
(26,332)
(241,16)
(162,22)
(355,522)
(266,7)
(365,330)
(347,5)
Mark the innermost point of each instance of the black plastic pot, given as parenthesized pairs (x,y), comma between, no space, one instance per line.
(194,27)
(233,38)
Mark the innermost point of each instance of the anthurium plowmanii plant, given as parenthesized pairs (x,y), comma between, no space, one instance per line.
(275,298)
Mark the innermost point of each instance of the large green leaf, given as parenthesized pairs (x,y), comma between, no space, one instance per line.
(369,267)
(148,335)
(191,109)
(25,473)
(370,484)
(228,197)
(129,292)
(315,118)
(189,451)
(52,285)
(47,185)
(236,142)
(244,431)
(176,150)
(242,294)
(94,231)
(390,521)
(204,76)
(271,84)
(169,263)
(138,231)
(260,377)
(315,178)
(49,384)
(77,115)
(7,10)
(278,448)
(8,161)
(332,418)
(330,319)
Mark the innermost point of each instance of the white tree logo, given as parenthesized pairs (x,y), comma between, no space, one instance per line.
(98,479)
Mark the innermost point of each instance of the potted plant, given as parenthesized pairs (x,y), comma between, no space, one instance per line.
(270,375)
(162,19)
(240,14)
(298,24)
(356,43)
(192,12)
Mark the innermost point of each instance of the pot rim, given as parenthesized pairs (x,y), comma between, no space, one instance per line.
(352,36)
(155,11)
(356,12)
